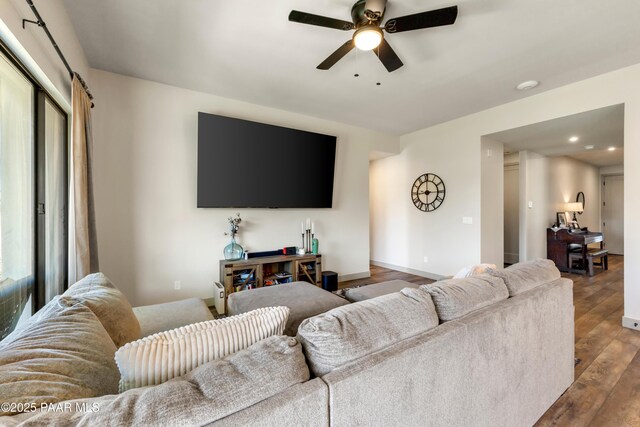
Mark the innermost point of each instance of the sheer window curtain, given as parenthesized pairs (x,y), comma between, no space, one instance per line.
(83,247)
(16,198)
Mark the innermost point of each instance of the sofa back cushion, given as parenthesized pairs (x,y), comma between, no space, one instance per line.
(347,333)
(61,353)
(159,357)
(523,276)
(109,305)
(205,395)
(454,298)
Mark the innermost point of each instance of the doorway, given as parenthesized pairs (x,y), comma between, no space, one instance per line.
(613,213)
(511,213)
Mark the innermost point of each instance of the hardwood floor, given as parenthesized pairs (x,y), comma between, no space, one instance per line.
(606,391)
(381,274)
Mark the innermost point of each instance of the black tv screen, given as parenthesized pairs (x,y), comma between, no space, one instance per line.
(244,164)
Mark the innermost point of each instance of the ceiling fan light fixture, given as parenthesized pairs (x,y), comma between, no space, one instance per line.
(368,37)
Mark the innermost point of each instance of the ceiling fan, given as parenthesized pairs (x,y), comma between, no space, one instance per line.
(367,19)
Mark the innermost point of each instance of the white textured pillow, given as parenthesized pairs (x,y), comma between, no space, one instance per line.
(474,270)
(159,357)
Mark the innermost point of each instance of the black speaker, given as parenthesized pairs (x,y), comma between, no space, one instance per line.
(330,281)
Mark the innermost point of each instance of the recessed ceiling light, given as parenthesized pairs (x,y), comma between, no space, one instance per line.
(588,147)
(574,139)
(612,148)
(529,84)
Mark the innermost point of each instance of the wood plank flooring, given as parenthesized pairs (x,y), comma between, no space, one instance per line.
(606,391)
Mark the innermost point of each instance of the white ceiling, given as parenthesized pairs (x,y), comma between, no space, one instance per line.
(247,50)
(602,128)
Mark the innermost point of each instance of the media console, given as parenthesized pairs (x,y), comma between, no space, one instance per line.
(244,275)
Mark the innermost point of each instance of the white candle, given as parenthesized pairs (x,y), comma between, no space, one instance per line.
(302,224)
(313,227)
(308,223)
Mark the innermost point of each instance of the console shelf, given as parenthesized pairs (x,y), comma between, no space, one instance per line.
(247,274)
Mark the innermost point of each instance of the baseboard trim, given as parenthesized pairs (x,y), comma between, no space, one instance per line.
(631,323)
(354,276)
(425,274)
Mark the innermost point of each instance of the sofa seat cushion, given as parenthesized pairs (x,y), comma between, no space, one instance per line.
(62,352)
(303,299)
(110,306)
(524,276)
(377,289)
(347,333)
(171,315)
(160,357)
(454,298)
(205,395)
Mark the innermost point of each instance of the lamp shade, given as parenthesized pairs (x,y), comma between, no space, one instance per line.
(574,207)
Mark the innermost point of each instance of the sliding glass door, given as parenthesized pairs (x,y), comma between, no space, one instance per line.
(17,186)
(33,196)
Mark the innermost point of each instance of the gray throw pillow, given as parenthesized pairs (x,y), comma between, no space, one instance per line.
(524,276)
(61,353)
(110,306)
(454,298)
(347,333)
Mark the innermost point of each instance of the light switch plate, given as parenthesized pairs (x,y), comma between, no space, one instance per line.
(530,204)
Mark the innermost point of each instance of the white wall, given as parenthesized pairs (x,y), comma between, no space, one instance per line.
(150,232)
(550,183)
(612,170)
(452,150)
(567,177)
(492,196)
(34,49)
(534,206)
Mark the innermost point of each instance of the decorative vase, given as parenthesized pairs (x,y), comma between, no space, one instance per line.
(233,251)
(314,246)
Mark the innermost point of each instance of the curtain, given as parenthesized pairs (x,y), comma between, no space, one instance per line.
(56,200)
(17,202)
(83,245)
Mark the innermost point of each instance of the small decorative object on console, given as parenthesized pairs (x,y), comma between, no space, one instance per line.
(233,251)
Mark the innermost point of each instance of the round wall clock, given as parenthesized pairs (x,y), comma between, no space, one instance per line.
(428,192)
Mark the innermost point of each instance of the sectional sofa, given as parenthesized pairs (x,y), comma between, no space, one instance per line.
(491,350)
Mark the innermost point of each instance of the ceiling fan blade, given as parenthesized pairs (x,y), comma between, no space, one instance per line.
(388,56)
(433,18)
(320,21)
(337,55)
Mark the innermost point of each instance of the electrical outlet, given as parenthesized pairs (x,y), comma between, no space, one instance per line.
(426,258)
(177,285)
(467,220)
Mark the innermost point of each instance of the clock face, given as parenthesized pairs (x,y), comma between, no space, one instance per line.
(428,192)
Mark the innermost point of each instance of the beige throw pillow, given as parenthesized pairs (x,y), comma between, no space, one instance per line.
(158,358)
(61,353)
(109,305)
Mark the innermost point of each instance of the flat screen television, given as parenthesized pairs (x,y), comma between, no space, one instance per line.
(244,164)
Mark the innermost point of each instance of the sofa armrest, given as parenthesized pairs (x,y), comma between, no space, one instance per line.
(164,317)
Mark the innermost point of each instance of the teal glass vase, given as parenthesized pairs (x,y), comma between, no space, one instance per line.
(233,251)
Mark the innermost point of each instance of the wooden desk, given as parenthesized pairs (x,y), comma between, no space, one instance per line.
(558,245)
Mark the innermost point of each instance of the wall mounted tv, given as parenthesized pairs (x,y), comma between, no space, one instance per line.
(243,164)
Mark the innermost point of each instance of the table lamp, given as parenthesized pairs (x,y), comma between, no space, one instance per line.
(574,207)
